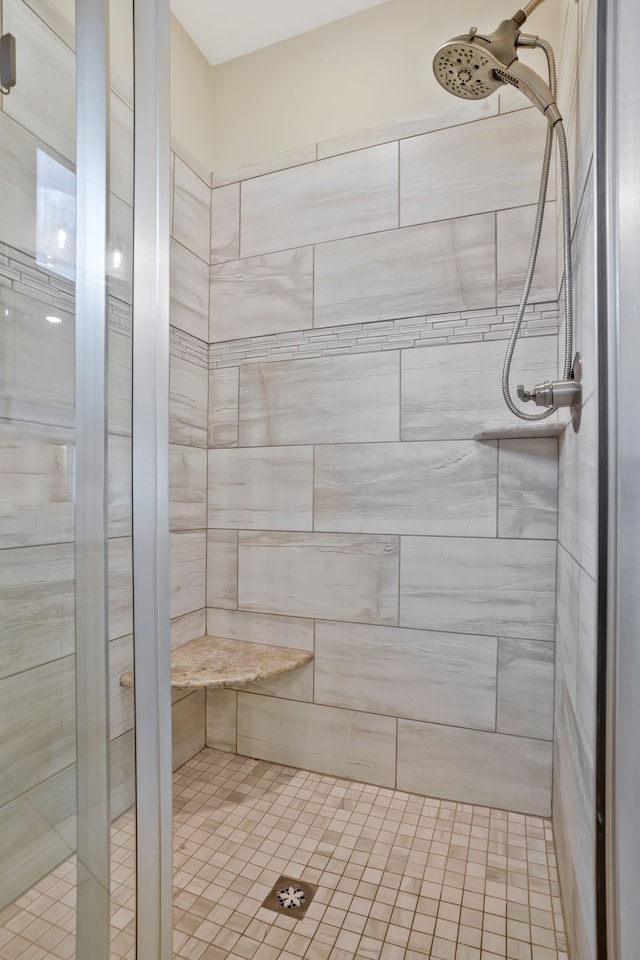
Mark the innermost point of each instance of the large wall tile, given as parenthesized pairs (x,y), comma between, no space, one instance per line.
(120,268)
(528,489)
(189,292)
(122,773)
(340,197)
(37,361)
(292,157)
(270,294)
(511,773)
(436,268)
(343,743)
(38,722)
(36,484)
(37,832)
(188,488)
(37,598)
(119,489)
(188,572)
(261,628)
(191,626)
(446,489)
(514,233)
(121,716)
(334,576)
(567,621)
(525,688)
(44,107)
(261,488)
(452,392)
(472,168)
(225,223)
(120,568)
(121,149)
(296,685)
(491,587)
(415,674)
(400,129)
(119,382)
(221,710)
(578,489)
(222,568)
(329,400)
(188,727)
(188,403)
(224,387)
(191,210)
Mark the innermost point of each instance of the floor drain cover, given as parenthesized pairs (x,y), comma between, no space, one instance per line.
(290,896)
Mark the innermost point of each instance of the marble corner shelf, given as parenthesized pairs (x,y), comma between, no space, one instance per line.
(220,662)
(523,431)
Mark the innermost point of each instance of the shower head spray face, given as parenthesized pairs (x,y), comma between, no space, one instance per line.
(473,66)
(465,70)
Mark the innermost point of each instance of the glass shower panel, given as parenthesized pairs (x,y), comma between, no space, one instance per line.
(41,753)
(119,423)
(37,581)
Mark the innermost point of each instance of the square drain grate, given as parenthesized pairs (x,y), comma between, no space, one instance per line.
(290,896)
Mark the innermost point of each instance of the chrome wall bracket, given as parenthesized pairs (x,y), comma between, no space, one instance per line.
(7,63)
(559,393)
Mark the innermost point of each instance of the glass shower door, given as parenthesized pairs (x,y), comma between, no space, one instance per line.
(38,768)
(67,766)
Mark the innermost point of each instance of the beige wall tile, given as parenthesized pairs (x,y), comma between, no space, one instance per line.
(490,587)
(339,742)
(342,576)
(191,210)
(225,223)
(188,488)
(224,386)
(188,572)
(511,773)
(37,598)
(329,400)
(262,294)
(188,727)
(340,197)
(221,709)
(418,674)
(261,488)
(189,385)
(261,628)
(528,489)
(452,392)
(525,688)
(189,308)
(489,165)
(222,568)
(430,269)
(413,488)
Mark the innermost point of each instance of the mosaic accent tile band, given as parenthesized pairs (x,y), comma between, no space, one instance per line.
(403,333)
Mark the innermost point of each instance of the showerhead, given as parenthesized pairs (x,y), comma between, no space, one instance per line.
(473,66)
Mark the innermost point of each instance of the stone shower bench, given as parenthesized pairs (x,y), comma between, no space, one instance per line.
(211,662)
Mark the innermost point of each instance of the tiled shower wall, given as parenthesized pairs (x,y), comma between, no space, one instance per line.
(359,305)
(575,713)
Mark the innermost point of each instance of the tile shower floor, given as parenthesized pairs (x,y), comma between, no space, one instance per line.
(399,876)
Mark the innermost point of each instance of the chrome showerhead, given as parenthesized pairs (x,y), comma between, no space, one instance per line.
(473,66)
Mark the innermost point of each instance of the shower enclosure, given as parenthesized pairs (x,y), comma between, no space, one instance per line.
(80,380)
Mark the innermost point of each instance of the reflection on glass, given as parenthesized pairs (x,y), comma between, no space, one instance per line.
(55,216)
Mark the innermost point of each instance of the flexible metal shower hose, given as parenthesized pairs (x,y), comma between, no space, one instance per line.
(535,244)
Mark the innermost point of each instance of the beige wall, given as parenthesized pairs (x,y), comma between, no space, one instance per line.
(191,129)
(365,70)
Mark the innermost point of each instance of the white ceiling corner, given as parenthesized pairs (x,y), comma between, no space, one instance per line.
(225,29)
